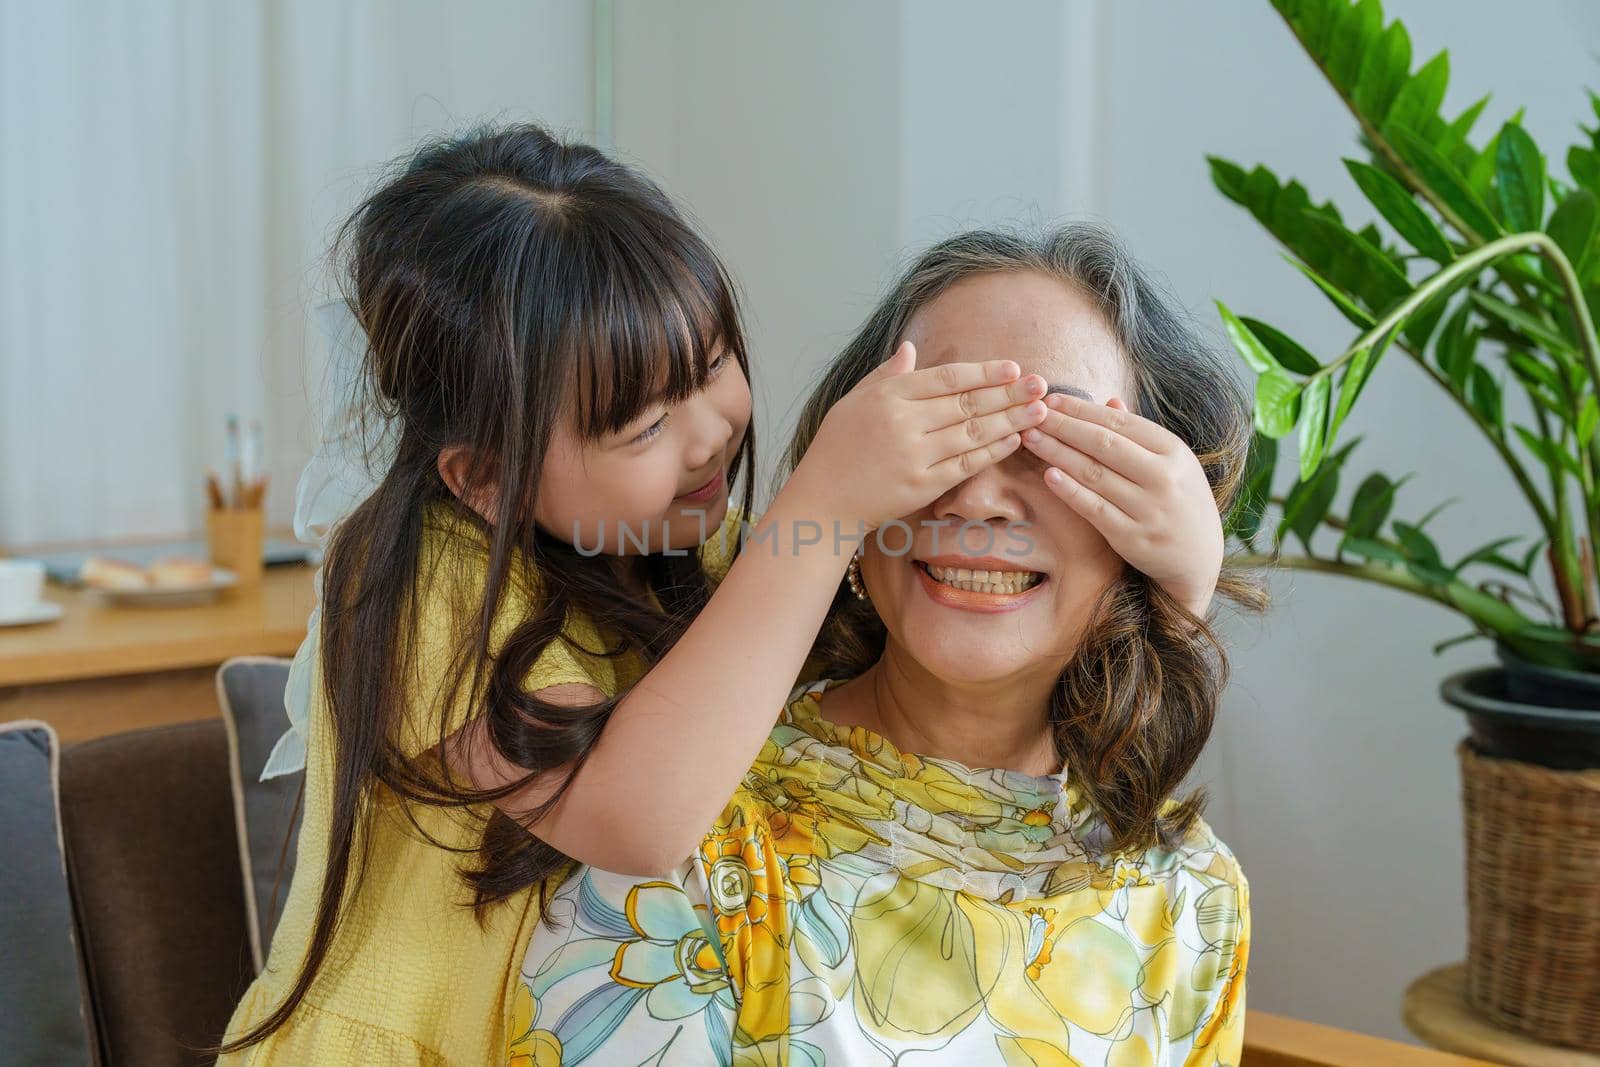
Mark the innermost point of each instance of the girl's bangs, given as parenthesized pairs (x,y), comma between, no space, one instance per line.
(656,311)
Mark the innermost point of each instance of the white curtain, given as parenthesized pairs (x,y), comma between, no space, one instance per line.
(171,174)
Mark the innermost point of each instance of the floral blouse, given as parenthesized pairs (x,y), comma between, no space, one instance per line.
(856,905)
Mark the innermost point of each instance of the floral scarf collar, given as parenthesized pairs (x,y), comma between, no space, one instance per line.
(998,834)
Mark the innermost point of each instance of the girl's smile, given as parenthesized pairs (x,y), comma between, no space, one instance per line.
(706,492)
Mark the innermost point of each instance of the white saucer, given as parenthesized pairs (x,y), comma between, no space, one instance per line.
(173,595)
(43,611)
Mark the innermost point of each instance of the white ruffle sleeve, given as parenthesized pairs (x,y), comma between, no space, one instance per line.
(356,450)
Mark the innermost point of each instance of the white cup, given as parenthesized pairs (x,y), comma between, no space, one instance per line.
(21,586)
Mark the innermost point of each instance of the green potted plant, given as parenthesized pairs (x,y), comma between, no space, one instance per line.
(1481,265)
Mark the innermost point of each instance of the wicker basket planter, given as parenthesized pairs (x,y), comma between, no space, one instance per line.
(1533,862)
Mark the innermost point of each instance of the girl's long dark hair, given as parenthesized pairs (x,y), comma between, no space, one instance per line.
(504,280)
(1133,709)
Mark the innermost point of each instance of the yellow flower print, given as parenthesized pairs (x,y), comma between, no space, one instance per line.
(805,823)
(530,1047)
(748,900)
(902,934)
(1121,874)
(671,956)
(1219,920)
(1039,816)
(1040,927)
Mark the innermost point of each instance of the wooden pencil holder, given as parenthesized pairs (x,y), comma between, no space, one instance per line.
(237,539)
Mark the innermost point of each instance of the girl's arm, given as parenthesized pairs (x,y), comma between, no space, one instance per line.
(678,744)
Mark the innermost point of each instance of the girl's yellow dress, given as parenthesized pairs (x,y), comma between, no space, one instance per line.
(412,977)
(859,906)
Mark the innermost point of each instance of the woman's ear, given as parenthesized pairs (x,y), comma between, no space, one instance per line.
(455,470)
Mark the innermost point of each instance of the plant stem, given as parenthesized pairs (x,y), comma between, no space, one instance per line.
(1392,577)
(1432,286)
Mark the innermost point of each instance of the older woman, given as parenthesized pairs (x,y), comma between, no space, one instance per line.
(963,844)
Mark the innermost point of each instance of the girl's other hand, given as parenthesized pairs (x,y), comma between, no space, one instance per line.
(1140,486)
(902,437)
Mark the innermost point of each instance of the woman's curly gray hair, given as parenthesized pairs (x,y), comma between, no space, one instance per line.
(1135,705)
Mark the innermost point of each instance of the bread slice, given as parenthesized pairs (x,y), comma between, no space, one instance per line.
(101,572)
(179,571)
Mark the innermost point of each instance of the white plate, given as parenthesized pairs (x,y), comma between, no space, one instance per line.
(44,611)
(173,595)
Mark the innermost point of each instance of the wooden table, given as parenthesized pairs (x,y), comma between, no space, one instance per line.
(105,668)
(1436,1010)
(1278,1041)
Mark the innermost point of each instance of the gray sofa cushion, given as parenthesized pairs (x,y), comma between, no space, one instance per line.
(42,1007)
(250,691)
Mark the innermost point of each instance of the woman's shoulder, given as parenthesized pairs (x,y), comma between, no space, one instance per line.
(1202,866)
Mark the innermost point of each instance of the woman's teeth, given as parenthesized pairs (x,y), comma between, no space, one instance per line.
(985,581)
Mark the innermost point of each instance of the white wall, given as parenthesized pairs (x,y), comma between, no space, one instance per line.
(819,144)
(775,126)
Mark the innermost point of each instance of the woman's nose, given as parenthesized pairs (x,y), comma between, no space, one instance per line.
(987,496)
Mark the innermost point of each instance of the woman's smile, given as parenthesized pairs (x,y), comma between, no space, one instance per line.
(977,583)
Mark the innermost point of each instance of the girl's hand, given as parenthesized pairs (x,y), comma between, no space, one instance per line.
(1140,486)
(902,437)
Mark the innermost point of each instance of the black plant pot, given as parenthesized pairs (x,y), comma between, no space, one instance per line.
(1522,711)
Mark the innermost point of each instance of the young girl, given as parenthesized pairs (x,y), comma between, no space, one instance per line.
(520,657)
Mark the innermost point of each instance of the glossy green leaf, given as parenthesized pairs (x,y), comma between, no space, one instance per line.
(1532,553)
(1311,20)
(1572,227)
(1537,333)
(1355,32)
(1418,545)
(1480,173)
(1457,343)
(1277,403)
(1448,184)
(1555,458)
(1348,307)
(1256,489)
(1536,372)
(1358,267)
(1459,639)
(1488,553)
(1228,177)
(1483,394)
(1248,345)
(1397,207)
(1420,97)
(1314,417)
(1285,349)
(1371,548)
(1519,176)
(1383,71)
(1308,501)
(1588,419)
(1454,142)
(1584,166)
(1370,506)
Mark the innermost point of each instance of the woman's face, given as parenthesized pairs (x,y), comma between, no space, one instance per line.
(1013,523)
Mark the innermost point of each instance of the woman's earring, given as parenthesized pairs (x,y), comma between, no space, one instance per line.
(853,574)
